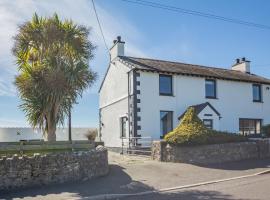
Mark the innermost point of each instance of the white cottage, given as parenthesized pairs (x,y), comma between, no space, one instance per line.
(141,97)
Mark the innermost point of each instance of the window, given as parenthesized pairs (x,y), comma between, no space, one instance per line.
(250,126)
(166,122)
(123,126)
(210,88)
(165,85)
(208,123)
(257,93)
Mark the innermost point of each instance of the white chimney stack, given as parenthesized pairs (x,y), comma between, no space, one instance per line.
(118,48)
(242,65)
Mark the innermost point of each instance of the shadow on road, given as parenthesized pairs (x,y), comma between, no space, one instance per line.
(117,181)
(240,165)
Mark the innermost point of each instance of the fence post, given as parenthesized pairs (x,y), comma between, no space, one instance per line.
(122,146)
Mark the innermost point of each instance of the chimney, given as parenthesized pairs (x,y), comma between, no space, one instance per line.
(118,48)
(242,65)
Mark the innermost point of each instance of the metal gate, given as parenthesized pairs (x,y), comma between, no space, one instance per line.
(137,145)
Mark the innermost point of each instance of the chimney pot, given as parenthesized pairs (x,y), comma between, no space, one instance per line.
(119,38)
(242,65)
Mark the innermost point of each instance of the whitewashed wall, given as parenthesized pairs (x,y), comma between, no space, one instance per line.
(234,101)
(113,103)
(214,117)
(17,134)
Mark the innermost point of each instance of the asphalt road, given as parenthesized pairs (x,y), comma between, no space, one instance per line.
(253,188)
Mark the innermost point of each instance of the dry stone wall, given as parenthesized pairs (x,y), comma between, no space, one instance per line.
(28,171)
(210,154)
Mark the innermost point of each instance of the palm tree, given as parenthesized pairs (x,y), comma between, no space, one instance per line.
(53,61)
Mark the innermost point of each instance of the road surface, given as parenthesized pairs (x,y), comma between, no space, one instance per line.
(253,188)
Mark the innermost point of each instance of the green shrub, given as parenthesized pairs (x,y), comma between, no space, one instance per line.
(191,131)
(266,130)
(219,137)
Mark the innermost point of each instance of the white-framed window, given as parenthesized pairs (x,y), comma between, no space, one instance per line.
(208,123)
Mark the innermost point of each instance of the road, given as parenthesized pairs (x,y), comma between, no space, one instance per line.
(253,188)
(136,174)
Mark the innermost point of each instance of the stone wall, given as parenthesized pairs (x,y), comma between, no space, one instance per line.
(210,154)
(52,168)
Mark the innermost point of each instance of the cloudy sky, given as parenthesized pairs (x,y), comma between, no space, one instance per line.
(148,32)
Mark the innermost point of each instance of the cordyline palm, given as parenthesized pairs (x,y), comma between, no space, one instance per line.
(53,60)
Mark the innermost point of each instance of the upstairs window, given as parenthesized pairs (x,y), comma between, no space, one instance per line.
(257,93)
(210,89)
(165,85)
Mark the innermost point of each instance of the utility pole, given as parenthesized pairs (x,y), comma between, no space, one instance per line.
(69,125)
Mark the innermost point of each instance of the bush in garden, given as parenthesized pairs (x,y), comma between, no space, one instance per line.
(191,131)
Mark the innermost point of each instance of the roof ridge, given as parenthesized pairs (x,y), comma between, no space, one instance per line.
(215,72)
(197,65)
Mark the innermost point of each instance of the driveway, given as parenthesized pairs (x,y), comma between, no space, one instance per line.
(132,174)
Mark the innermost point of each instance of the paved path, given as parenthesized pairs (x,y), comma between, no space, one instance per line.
(129,174)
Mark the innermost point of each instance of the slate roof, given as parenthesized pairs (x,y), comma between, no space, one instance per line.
(162,66)
(199,107)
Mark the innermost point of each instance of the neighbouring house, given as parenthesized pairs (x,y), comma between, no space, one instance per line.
(141,97)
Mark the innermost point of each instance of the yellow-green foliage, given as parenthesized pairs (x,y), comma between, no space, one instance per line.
(190,131)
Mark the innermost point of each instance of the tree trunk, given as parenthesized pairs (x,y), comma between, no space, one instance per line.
(50,133)
(50,136)
(69,125)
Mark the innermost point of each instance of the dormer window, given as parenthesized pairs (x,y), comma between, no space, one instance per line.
(165,85)
(257,92)
(210,89)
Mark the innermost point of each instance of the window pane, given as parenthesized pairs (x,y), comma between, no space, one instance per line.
(256,92)
(208,123)
(249,126)
(123,126)
(165,122)
(165,84)
(210,88)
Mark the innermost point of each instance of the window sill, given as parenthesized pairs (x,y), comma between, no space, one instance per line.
(257,101)
(211,97)
(168,95)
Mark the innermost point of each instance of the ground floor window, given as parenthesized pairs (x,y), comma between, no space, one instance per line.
(123,126)
(250,126)
(208,123)
(166,122)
